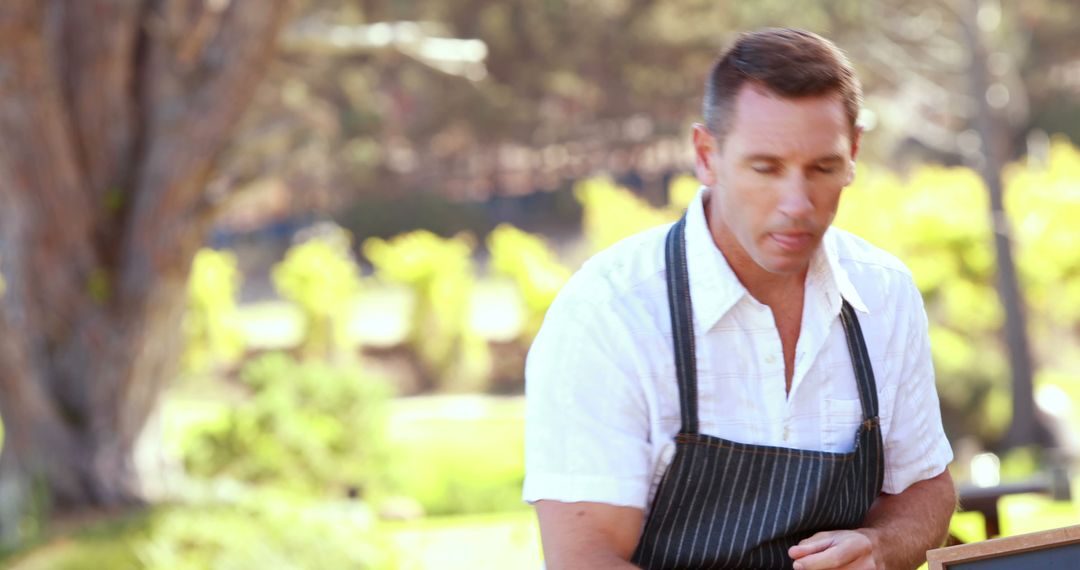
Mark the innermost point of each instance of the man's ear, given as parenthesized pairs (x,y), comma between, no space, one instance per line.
(705,151)
(856,140)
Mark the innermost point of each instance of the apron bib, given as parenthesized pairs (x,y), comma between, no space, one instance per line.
(724,504)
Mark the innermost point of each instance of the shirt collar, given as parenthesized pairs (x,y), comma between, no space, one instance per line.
(714,288)
(837,275)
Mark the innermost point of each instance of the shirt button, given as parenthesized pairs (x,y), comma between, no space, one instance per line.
(787,433)
(770,359)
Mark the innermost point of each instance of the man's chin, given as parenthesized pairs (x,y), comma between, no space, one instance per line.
(785,265)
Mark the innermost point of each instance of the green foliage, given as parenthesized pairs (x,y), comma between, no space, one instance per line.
(613,213)
(321,277)
(441,275)
(310,426)
(262,531)
(1057,393)
(938,222)
(211,328)
(1044,205)
(256,530)
(464,457)
(536,271)
(681,191)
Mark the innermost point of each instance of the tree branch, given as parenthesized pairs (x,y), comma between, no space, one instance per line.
(41,178)
(190,111)
(96,40)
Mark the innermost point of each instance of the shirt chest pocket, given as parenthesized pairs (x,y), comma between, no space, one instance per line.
(840,421)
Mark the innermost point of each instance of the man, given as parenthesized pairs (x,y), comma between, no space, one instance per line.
(747,388)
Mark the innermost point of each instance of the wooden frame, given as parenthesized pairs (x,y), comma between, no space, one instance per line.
(967,555)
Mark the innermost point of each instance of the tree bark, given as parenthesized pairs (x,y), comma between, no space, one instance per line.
(113,113)
(1026,427)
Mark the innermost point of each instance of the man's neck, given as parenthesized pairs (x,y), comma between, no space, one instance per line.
(772,289)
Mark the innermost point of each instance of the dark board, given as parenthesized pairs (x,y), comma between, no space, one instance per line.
(1057,549)
(1057,558)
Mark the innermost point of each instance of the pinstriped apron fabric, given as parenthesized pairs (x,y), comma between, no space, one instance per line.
(724,504)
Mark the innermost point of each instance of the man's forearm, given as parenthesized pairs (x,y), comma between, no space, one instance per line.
(903,527)
(590,561)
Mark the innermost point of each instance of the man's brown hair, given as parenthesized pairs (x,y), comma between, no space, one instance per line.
(791,63)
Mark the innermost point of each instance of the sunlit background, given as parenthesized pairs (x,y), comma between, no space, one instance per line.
(403,195)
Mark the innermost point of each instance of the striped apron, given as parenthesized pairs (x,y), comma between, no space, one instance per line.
(724,504)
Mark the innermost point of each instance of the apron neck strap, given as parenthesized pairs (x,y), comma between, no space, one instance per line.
(860,362)
(682,324)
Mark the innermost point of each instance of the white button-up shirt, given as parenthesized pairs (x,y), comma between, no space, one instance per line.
(601,394)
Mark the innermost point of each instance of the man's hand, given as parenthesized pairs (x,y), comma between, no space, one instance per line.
(846,549)
(914,521)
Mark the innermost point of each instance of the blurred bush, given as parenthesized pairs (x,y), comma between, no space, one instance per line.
(253,529)
(938,222)
(459,457)
(534,268)
(212,333)
(1044,205)
(441,274)
(681,191)
(321,277)
(262,531)
(612,212)
(309,426)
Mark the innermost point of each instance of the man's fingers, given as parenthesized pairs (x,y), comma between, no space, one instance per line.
(841,549)
(812,545)
(807,547)
(827,559)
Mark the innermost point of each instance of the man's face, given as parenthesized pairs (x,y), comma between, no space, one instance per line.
(776,178)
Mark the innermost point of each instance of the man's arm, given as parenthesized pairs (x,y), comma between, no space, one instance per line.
(896,533)
(588,535)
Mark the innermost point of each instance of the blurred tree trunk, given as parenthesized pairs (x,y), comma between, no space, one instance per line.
(1026,427)
(112,113)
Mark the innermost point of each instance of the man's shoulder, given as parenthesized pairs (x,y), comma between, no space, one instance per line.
(854,252)
(879,276)
(630,264)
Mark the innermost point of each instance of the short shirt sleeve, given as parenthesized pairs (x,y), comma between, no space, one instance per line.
(587,422)
(915,447)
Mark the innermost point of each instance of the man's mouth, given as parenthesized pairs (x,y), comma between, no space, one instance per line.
(793,241)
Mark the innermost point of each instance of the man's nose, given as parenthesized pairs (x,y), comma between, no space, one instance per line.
(795,197)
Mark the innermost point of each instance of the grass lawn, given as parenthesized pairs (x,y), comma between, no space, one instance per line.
(503,540)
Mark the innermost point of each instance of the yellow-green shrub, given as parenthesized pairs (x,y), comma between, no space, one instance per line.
(537,273)
(211,330)
(441,274)
(612,212)
(938,222)
(320,276)
(308,425)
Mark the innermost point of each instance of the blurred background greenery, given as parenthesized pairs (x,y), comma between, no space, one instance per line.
(412,183)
